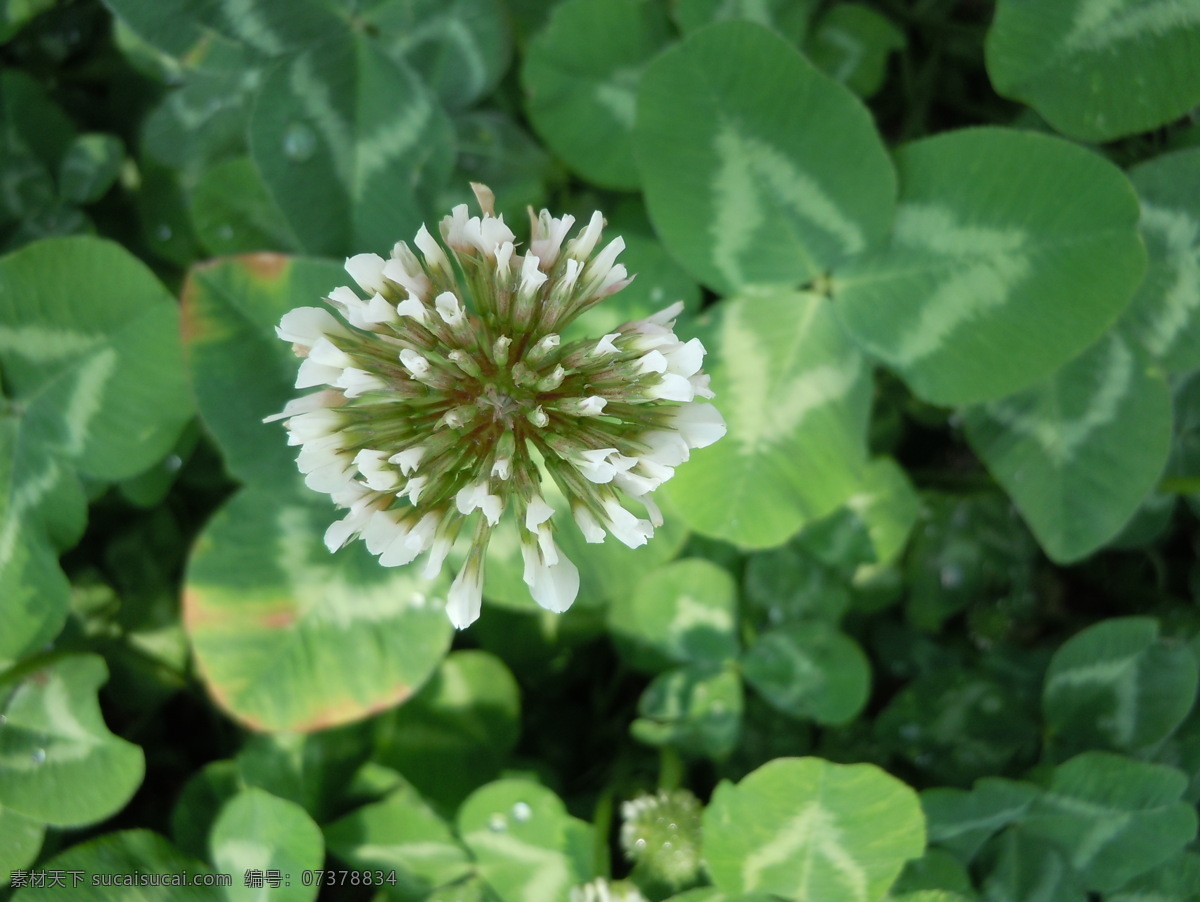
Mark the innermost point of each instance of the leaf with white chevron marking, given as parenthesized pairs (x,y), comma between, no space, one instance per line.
(351,145)
(89,347)
(1165,314)
(1080,451)
(804,828)
(795,394)
(741,185)
(289,637)
(1012,252)
(1098,69)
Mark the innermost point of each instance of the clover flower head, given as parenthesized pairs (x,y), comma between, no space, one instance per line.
(446,399)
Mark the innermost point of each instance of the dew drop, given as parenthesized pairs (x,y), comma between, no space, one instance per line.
(173,462)
(497,823)
(951,577)
(163,232)
(639,844)
(225,232)
(3,720)
(38,756)
(521,812)
(299,142)
(667,846)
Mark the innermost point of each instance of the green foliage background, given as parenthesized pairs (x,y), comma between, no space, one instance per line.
(923,626)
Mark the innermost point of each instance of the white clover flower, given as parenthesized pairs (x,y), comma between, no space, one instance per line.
(448,399)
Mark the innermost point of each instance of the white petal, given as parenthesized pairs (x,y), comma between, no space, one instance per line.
(555,586)
(366,270)
(413,488)
(448,308)
(547,236)
(667,447)
(581,247)
(685,359)
(672,388)
(635,485)
(666,314)
(435,257)
(330,477)
(312,373)
(307,325)
(404,270)
(375,470)
(380,311)
(625,526)
(326,352)
(652,362)
(588,525)
(652,511)
(605,345)
(532,278)
(340,531)
(537,513)
(383,528)
(699,424)
(408,459)
(306,404)
(356,382)
(465,597)
(591,406)
(437,556)
(412,308)
(315,455)
(503,255)
(414,362)
(399,552)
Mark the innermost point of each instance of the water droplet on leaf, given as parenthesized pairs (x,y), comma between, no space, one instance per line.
(38,756)
(299,142)
(521,812)
(497,823)
(163,232)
